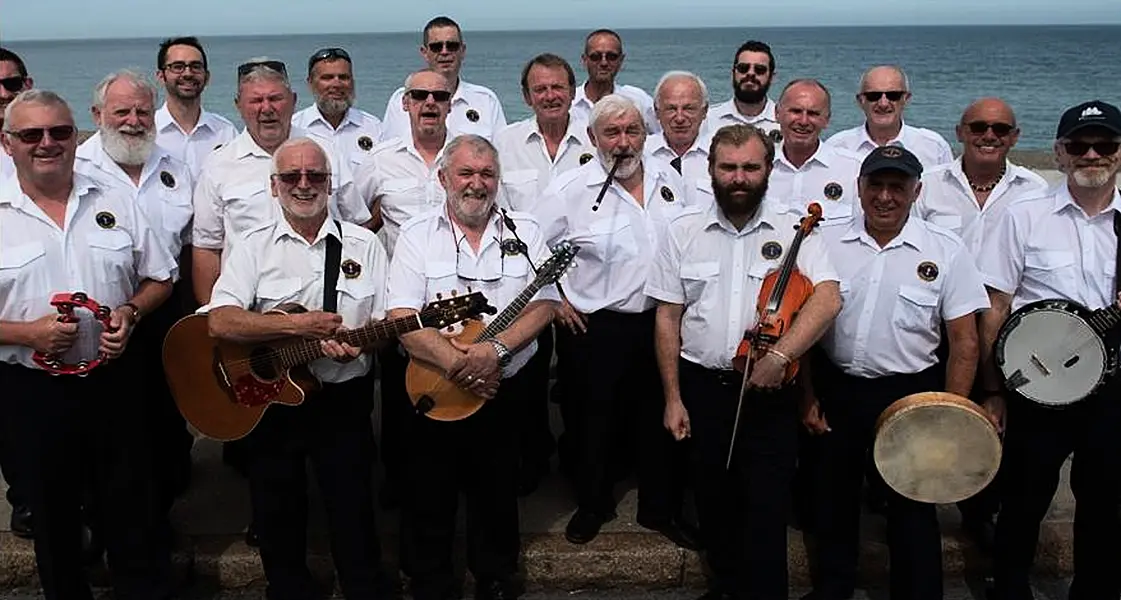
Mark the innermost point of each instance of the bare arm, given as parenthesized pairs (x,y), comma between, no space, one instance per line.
(236,324)
(961,366)
(991,322)
(427,344)
(667,345)
(16,333)
(813,320)
(150,295)
(205,265)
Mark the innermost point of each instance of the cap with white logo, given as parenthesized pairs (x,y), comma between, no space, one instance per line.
(1089,114)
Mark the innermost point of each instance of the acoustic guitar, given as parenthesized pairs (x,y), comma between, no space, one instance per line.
(438,398)
(222,388)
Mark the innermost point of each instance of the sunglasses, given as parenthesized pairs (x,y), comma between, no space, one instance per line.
(420,95)
(438,47)
(745,68)
(58,133)
(13,84)
(999,129)
(179,67)
(1103,148)
(294,177)
(275,65)
(598,56)
(894,96)
(327,54)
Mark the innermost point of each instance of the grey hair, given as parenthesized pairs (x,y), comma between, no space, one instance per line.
(409,77)
(296,143)
(34,96)
(261,72)
(672,75)
(614,105)
(137,80)
(476,143)
(896,68)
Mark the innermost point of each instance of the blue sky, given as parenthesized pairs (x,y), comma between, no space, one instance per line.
(67,19)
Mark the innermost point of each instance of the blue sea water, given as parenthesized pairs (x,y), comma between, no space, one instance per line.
(1040,70)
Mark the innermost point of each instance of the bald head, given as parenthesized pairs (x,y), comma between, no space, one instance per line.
(987,132)
(988,109)
(884,77)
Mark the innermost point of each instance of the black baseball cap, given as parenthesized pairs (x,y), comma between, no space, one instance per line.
(1094,113)
(327,54)
(890,157)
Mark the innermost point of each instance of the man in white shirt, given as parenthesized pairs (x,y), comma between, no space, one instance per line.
(681,103)
(753,71)
(883,96)
(474,108)
(333,116)
(1061,246)
(603,59)
(187,131)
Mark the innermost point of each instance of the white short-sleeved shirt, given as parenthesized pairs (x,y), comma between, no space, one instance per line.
(726,113)
(192,147)
(895,298)
(274,265)
(581,108)
(617,242)
(829,178)
(694,163)
(474,109)
(526,167)
(233,194)
(396,173)
(1047,248)
(428,263)
(716,272)
(164,192)
(947,200)
(7,167)
(355,138)
(926,144)
(106,249)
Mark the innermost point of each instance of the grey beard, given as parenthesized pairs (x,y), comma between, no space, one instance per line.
(125,151)
(1094,178)
(333,107)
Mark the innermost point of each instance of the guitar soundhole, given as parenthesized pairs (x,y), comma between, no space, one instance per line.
(1071,362)
(261,363)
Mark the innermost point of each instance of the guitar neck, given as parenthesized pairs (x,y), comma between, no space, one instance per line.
(1105,319)
(305,351)
(507,316)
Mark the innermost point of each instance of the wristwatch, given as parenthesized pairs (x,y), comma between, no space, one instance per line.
(502,351)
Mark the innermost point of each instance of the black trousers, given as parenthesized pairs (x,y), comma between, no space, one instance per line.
(851,406)
(535,444)
(331,428)
(742,511)
(478,457)
(615,392)
(10,473)
(70,434)
(395,409)
(1037,442)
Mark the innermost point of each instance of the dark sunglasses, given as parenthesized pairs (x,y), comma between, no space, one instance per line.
(58,133)
(420,95)
(179,67)
(275,65)
(745,68)
(13,84)
(598,56)
(1103,148)
(999,129)
(327,54)
(294,177)
(438,47)
(894,96)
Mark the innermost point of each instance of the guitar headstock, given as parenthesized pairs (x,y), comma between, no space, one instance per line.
(812,218)
(551,270)
(445,312)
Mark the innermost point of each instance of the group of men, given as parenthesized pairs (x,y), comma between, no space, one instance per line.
(679,212)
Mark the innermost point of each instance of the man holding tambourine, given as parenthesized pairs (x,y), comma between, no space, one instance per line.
(1050,344)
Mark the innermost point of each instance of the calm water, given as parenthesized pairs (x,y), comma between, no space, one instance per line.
(1040,70)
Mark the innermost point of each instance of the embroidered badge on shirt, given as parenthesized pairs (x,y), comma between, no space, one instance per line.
(365,143)
(667,194)
(771,250)
(472,115)
(105,220)
(928,271)
(891,152)
(167,179)
(512,248)
(834,191)
(585,157)
(775,135)
(351,269)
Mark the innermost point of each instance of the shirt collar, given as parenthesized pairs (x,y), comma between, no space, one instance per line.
(911,235)
(350,118)
(1063,200)
(823,155)
(245,146)
(570,134)
(899,139)
(284,229)
(93,150)
(763,217)
(165,121)
(12,194)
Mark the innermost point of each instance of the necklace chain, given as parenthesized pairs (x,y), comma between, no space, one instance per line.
(988,187)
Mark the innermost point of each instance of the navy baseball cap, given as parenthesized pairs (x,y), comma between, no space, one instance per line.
(896,158)
(1094,113)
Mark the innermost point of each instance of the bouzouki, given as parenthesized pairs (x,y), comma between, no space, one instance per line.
(223,388)
(436,397)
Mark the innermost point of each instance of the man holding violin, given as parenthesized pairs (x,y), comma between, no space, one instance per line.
(710,268)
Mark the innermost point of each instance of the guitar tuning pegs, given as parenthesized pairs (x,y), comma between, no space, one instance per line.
(439,296)
(468,289)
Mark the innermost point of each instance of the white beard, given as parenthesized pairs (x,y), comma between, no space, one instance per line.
(127,150)
(1095,177)
(627,168)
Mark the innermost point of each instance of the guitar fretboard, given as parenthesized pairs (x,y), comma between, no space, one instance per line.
(305,351)
(507,316)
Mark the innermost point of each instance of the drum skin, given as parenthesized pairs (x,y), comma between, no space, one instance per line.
(936,447)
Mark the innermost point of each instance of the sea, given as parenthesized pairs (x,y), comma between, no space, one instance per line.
(1039,70)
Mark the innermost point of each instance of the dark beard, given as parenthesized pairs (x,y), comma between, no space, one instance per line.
(739,207)
(752,96)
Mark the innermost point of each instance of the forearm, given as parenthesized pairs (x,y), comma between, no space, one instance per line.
(236,324)
(991,322)
(426,345)
(205,266)
(961,366)
(535,317)
(667,349)
(812,322)
(15,333)
(150,295)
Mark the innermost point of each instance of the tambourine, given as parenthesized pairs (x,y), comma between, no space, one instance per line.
(66,303)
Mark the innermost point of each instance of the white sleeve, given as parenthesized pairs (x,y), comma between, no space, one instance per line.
(963,293)
(539,253)
(663,283)
(379,262)
(396,122)
(150,254)
(1002,256)
(407,283)
(352,207)
(237,282)
(813,259)
(208,230)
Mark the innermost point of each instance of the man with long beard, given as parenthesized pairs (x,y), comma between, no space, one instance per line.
(753,70)
(706,278)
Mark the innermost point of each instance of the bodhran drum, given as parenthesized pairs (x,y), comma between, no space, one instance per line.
(936,447)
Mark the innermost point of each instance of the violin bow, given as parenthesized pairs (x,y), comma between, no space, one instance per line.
(739,401)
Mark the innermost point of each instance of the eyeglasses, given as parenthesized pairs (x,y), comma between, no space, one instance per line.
(13,84)
(420,95)
(327,54)
(1103,148)
(295,177)
(999,129)
(275,65)
(599,56)
(34,135)
(894,96)
(179,66)
(492,279)
(745,68)
(438,47)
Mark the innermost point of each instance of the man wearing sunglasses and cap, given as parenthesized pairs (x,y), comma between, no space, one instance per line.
(13,80)
(753,71)
(330,78)
(474,108)
(1061,245)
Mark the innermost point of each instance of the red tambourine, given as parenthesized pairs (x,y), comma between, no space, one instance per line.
(66,303)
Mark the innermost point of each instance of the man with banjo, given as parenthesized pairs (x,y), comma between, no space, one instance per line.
(467,242)
(1052,262)
(63,233)
(900,279)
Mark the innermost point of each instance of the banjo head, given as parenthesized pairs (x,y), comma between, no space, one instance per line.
(1049,354)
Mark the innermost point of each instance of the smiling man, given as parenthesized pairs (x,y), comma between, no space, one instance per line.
(681,103)
(333,116)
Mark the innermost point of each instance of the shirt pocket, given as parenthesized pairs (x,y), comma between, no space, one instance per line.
(951,222)
(440,278)
(274,292)
(612,239)
(696,277)
(520,189)
(357,298)
(916,309)
(112,254)
(1052,268)
(23,273)
(247,206)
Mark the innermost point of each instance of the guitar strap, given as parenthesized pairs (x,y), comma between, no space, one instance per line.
(331,270)
(1117,266)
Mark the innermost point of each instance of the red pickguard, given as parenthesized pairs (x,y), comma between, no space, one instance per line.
(250,391)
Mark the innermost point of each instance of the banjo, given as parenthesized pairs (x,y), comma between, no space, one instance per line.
(1057,352)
